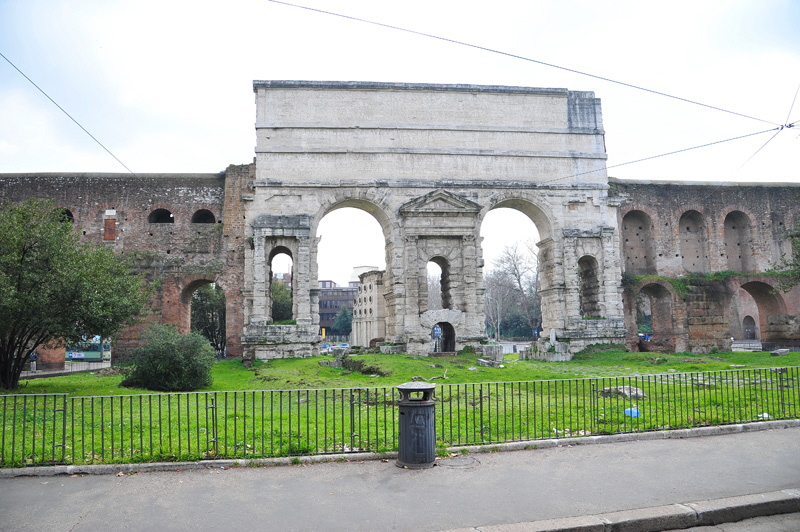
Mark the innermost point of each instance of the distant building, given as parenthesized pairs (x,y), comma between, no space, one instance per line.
(332,299)
(369,312)
(285,278)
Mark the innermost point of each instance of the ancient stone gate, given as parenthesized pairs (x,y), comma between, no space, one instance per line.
(428,162)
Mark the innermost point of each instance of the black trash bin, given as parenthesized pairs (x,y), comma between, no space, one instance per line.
(417,448)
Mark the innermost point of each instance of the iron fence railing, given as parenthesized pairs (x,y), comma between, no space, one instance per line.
(57,429)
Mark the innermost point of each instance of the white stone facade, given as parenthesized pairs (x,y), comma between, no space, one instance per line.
(428,162)
(369,311)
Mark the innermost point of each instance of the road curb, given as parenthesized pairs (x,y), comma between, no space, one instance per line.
(663,518)
(115,469)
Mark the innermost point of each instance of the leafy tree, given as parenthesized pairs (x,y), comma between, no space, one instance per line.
(55,288)
(281,301)
(168,361)
(516,325)
(208,316)
(343,322)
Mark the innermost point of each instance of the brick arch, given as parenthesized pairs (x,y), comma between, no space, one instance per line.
(693,236)
(662,301)
(737,240)
(771,309)
(204,215)
(638,242)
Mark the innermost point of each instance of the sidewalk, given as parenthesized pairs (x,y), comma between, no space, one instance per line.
(476,491)
(69,369)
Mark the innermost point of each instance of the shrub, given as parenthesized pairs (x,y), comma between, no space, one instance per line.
(171,362)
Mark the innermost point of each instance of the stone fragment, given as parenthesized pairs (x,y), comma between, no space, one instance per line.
(625,391)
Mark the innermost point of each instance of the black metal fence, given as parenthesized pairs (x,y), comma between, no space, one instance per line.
(57,429)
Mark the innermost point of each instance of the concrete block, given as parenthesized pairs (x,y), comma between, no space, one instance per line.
(587,523)
(746,507)
(675,516)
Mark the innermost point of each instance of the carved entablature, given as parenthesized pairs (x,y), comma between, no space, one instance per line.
(440,213)
(440,203)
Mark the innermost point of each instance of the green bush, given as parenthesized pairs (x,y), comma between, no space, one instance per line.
(171,362)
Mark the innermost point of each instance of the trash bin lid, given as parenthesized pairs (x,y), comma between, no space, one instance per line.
(417,386)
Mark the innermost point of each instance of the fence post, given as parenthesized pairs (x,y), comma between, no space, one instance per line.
(213,434)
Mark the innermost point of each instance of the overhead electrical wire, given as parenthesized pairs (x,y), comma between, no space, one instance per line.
(515,56)
(778,129)
(66,113)
(605,168)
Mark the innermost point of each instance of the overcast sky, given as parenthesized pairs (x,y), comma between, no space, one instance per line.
(167,86)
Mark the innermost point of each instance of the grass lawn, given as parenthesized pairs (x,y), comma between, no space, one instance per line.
(306,373)
(291,407)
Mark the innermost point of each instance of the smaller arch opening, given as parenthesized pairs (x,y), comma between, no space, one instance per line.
(208,313)
(438,269)
(590,287)
(161,216)
(654,318)
(66,215)
(280,285)
(444,337)
(203,216)
(750,328)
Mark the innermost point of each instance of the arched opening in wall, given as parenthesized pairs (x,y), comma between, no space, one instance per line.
(654,307)
(637,243)
(742,305)
(749,327)
(352,241)
(207,314)
(590,287)
(439,284)
(161,216)
(281,288)
(692,234)
(510,235)
(444,337)
(773,325)
(203,216)
(67,215)
(738,242)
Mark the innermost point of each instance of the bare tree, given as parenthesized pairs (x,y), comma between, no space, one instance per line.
(521,266)
(434,292)
(498,297)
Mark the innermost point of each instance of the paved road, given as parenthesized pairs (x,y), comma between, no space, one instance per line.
(463,492)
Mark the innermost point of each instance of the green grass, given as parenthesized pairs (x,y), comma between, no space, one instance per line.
(306,373)
(295,407)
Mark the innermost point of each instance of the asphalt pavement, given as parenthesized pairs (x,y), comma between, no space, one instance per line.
(633,482)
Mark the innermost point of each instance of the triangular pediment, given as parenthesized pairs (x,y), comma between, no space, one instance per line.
(440,201)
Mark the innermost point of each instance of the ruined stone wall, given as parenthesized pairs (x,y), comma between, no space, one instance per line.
(120,211)
(714,241)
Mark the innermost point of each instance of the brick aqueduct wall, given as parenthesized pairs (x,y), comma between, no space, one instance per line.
(666,232)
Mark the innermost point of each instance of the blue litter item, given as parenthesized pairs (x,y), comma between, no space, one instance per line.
(632,412)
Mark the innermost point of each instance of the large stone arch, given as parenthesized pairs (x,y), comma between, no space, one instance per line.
(541,216)
(428,161)
(774,323)
(375,204)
